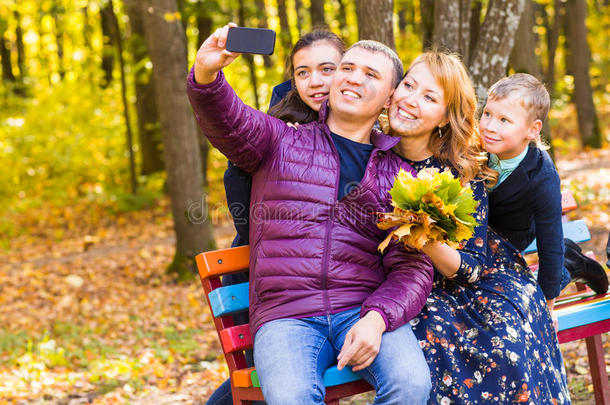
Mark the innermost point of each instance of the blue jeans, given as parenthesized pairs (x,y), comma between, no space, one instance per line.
(292,354)
(565,278)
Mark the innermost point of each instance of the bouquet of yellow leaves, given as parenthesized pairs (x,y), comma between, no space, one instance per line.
(432,206)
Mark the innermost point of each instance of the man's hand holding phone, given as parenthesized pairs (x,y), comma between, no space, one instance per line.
(212,56)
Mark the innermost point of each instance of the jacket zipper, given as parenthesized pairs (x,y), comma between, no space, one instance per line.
(329,225)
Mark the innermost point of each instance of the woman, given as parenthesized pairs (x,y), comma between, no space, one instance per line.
(312,64)
(485,330)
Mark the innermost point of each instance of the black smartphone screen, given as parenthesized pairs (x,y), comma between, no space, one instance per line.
(251,40)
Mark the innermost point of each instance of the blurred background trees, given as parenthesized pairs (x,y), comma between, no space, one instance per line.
(80,76)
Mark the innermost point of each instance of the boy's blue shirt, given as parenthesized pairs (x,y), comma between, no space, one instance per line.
(505,167)
(527,205)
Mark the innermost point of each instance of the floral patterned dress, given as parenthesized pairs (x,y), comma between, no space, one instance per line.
(486,333)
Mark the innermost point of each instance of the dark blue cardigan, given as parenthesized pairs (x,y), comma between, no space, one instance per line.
(238,183)
(527,205)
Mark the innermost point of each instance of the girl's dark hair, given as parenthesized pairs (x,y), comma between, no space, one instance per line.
(292,108)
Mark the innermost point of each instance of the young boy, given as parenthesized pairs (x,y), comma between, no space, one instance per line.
(526,201)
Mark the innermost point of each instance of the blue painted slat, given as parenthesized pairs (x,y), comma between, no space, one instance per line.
(575,230)
(333,376)
(584,314)
(229,299)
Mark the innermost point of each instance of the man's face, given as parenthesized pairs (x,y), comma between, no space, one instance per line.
(363,84)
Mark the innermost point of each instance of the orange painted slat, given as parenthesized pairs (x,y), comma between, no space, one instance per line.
(241,378)
(236,338)
(568,203)
(223,261)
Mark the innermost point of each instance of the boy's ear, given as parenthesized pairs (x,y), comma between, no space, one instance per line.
(534,130)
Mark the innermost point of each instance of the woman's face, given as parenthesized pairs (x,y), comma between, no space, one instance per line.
(418,104)
(314,68)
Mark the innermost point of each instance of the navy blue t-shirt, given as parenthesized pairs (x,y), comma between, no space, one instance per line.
(353,158)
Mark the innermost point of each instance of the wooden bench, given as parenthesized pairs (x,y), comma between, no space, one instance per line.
(580,315)
(583,314)
(228,300)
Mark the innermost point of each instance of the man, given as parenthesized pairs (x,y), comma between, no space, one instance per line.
(319,290)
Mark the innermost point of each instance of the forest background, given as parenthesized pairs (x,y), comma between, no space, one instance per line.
(108,189)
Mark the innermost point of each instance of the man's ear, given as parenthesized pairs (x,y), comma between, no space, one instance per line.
(388,101)
(534,130)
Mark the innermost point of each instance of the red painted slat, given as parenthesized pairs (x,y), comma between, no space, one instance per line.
(584,331)
(236,338)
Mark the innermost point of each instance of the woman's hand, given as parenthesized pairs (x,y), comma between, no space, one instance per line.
(445,259)
(212,56)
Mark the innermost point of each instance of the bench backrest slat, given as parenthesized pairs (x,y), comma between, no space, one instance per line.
(575,230)
(223,261)
(568,203)
(236,338)
(229,299)
(583,314)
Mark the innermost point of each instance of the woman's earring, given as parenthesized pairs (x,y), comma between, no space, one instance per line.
(440,134)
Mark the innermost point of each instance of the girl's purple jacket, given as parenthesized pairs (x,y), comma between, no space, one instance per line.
(311,254)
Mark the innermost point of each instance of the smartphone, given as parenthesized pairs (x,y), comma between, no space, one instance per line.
(251,40)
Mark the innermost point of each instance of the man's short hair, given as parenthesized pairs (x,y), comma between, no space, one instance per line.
(530,92)
(378,47)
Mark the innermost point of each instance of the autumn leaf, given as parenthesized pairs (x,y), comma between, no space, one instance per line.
(432,206)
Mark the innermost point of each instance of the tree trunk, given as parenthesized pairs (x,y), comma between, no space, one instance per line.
(285,37)
(262,23)
(580,58)
(342,17)
(375,21)
(496,39)
(107,49)
(402,21)
(204,24)
(452,26)
(475,26)
(552,41)
(192,226)
(523,56)
(248,57)
(58,17)
(116,31)
(149,133)
(87,74)
(426,9)
(298,9)
(5,54)
(20,47)
(317,14)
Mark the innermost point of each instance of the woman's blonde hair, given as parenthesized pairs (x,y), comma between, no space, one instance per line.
(459,143)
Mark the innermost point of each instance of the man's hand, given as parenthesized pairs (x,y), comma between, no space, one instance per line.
(213,56)
(362,342)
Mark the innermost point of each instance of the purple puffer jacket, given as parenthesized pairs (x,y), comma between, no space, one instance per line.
(311,254)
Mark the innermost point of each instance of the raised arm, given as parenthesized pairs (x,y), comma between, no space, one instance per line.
(241,133)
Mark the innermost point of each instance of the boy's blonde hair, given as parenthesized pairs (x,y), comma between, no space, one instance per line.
(531,93)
